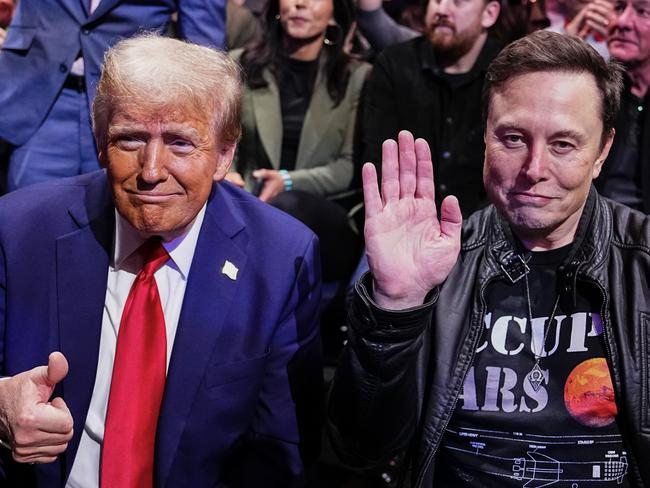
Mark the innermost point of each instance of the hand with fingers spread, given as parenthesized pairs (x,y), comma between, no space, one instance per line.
(594,18)
(409,250)
(36,429)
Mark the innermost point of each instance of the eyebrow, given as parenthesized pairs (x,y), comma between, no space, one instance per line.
(170,128)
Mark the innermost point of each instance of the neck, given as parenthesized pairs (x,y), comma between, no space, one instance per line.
(304,49)
(466,62)
(640,78)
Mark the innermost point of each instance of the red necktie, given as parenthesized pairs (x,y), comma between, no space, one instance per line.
(138,380)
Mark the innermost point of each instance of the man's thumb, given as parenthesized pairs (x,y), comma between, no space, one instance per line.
(57,368)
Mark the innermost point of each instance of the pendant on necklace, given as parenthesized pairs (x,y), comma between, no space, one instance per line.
(535,377)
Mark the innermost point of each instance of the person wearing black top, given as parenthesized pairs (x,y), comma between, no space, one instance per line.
(509,350)
(298,117)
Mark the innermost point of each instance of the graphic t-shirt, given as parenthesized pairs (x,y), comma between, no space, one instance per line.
(559,431)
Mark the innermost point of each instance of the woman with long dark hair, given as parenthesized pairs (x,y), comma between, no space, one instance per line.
(298,116)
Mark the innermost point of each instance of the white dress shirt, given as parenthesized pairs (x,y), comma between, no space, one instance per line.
(171,279)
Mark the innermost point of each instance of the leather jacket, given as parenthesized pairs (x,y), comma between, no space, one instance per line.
(401,372)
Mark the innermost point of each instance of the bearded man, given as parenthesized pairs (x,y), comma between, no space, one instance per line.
(431,86)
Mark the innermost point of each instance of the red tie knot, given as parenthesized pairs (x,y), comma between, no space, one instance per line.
(154,255)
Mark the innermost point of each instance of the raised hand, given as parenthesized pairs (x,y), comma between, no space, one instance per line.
(409,250)
(594,18)
(36,430)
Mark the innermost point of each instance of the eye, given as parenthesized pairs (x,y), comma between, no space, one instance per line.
(181,145)
(642,11)
(128,142)
(562,146)
(513,140)
(619,7)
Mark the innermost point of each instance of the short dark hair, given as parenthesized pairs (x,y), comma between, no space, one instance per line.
(549,51)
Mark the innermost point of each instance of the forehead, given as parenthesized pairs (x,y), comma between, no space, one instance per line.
(550,100)
(150,115)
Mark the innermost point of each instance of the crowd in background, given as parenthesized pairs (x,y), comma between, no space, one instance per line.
(326,82)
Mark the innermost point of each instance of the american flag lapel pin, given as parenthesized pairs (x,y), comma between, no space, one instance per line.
(230,270)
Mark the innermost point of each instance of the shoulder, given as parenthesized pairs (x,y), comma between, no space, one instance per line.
(263,228)
(407,52)
(236,54)
(476,227)
(53,197)
(630,228)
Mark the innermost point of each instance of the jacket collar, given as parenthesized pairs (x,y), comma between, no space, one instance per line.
(589,249)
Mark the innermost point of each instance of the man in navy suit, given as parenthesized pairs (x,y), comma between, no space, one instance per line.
(239,293)
(50,64)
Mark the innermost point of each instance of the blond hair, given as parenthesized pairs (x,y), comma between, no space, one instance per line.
(164,73)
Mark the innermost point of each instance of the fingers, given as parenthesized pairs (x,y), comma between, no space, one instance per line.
(451,219)
(425,186)
(42,433)
(389,171)
(371,198)
(57,368)
(407,164)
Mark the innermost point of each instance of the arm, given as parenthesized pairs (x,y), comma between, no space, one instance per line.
(203,21)
(285,433)
(379,28)
(35,429)
(375,398)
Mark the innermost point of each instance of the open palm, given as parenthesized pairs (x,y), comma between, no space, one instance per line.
(409,250)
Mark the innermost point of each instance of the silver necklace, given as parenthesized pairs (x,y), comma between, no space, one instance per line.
(535,376)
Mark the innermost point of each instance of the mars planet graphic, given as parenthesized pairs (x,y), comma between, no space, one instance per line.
(589,394)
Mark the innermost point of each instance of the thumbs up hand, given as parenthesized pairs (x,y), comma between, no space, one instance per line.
(35,429)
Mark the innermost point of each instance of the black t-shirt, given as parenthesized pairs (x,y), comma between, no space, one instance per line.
(296,87)
(561,432)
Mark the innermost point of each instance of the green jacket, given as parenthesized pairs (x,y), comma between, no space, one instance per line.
(324,161)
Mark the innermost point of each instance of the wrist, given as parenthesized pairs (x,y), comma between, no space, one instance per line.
(286,180)
(396,302)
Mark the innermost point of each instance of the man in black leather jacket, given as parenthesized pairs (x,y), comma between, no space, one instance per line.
(513,351)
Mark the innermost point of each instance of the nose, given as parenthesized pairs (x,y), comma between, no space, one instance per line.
(536,166)
(153,162)
(625,18)
(442,7)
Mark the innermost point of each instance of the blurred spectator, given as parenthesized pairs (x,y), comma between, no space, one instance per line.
(587,19)
(50,64)
(432,87)
(626,173)
(298,117)
(519,18)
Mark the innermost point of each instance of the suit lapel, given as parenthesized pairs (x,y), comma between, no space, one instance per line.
(103,7)
(77,9)
(268,119)
(208,298)
(82,264)
(317,120)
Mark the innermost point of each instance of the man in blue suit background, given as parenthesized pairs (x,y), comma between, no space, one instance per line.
(49,66)
(239,291)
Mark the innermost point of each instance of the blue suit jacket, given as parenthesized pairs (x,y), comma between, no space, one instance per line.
(242,398)
(46,36)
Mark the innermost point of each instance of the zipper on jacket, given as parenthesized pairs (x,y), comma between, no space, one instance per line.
(434,449)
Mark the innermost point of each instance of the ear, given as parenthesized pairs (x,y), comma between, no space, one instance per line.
(224,161)
(101,155)
(490,14)
(598,165)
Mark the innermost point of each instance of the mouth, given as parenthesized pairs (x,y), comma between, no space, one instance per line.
(158,197)
(529,198)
